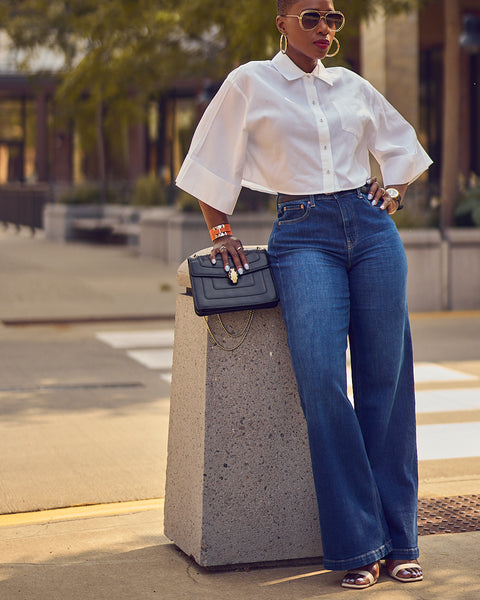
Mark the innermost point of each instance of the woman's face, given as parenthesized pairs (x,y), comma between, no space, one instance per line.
(305,48)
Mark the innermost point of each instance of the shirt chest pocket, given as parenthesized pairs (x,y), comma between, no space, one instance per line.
(353,116)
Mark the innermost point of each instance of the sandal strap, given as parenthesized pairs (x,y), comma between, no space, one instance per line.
(362,573)
(404,567)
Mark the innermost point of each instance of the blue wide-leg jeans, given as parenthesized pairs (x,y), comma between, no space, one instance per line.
(341,273)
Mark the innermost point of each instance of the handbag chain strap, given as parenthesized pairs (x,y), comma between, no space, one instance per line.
(242,335)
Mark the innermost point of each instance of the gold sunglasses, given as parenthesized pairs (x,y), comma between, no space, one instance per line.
(309,19)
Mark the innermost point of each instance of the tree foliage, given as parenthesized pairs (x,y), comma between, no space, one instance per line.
(119,53)
(115,51)
(140,42)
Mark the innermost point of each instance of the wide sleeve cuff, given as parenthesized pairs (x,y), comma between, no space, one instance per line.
(405,169)
(208,187)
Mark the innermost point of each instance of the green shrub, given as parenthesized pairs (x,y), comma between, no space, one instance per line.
(416,219)
(248,201)
(149,191)
(467,212)
(186,203)
(85,194)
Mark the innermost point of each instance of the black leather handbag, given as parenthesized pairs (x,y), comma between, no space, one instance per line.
(214,291)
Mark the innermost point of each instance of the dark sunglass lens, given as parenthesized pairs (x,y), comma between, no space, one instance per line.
(334,20)
(310,20)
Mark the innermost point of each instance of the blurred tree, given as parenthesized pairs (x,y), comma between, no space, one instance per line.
(116,52)
(245,29)
(119,53)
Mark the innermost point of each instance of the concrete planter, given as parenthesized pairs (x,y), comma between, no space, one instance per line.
(58,219)
(154,240)
(463,268)
(171,235)
(67,222)
(426,269)
(444,272)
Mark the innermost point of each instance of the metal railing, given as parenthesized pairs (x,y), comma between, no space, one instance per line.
(22,205)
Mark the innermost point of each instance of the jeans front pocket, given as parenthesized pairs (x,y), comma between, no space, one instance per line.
(293,212)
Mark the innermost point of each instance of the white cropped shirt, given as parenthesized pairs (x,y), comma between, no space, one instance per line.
(274,128)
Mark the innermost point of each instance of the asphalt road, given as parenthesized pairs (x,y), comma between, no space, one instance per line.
(80,422)
(84,413)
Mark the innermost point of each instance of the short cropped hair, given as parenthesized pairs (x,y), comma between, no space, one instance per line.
(283,6)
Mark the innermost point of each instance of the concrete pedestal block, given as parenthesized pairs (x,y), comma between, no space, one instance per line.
(239,484)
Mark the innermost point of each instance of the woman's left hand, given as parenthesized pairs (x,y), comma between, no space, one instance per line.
(378,194)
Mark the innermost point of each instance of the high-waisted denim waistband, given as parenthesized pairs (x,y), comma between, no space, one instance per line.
(281,198)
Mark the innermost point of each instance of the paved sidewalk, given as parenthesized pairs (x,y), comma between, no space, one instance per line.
(119,552)
(44,280)
(126,557)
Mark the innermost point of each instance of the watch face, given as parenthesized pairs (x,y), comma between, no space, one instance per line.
(393,192)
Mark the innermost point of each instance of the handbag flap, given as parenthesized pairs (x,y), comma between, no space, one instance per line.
(201,266)
(214,292)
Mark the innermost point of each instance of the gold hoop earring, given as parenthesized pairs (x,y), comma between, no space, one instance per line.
(283,43)
(337,51)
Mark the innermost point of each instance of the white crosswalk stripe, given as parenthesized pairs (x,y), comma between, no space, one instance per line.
(432,373)
(153,359)
(448,440)
(154,350)
(137,339)
(448,400)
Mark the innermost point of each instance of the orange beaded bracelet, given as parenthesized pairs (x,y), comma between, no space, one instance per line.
(220,231)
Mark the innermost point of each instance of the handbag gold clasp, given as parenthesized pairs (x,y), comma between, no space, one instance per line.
(233,275)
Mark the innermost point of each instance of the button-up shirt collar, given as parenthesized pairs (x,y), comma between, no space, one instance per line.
(290,71)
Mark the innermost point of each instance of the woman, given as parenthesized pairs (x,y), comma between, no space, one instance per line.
(292,127)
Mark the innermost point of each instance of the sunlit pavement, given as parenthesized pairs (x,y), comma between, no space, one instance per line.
(84,406)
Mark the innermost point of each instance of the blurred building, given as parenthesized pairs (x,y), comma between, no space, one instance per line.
(405,58)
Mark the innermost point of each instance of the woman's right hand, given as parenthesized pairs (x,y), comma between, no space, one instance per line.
(230,246)
(226,245)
